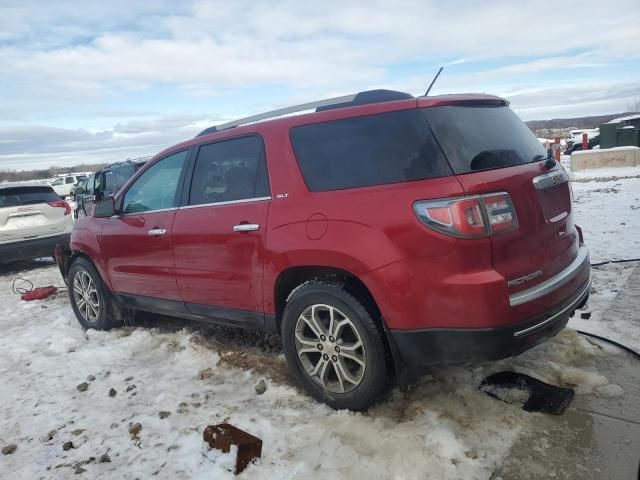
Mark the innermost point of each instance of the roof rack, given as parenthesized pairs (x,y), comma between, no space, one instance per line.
(361,98)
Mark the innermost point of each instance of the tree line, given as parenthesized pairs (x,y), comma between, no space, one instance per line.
(24,175)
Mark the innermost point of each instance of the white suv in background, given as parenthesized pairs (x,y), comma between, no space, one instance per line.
(63,184)
(33,220)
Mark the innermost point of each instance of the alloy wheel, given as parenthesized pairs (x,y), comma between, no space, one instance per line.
(330,348)
(86,297)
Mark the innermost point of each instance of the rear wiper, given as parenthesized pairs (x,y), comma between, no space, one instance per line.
(549,163)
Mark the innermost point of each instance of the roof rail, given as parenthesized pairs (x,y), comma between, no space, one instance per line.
(361,98)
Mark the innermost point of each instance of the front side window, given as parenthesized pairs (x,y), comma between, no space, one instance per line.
(157,187)
(389,147)
(230,170)
(109,183)
(89,185)
(122,173)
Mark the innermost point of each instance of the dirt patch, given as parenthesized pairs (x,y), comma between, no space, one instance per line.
(270,366)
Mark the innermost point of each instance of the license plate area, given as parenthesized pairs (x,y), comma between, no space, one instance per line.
(553,195)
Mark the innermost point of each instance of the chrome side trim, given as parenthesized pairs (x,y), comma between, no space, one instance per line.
(552,283)
(230,202)
(573,305)
(556,177)
(144,213)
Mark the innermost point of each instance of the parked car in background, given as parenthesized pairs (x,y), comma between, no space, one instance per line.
(33,219)
(64,184)
(81,184)
(104,183)
(379,236)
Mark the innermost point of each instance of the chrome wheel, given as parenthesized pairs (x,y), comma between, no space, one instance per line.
(330,348)
(86,297)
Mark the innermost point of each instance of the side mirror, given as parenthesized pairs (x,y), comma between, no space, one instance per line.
(79,190)
(104,208)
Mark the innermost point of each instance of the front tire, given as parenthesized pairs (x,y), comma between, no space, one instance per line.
(91,300)
(334,348)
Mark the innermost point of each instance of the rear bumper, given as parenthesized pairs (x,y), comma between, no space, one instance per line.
(28,249)
(441,346)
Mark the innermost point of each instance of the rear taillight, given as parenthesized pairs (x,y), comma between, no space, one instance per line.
(61,204)
(469,217)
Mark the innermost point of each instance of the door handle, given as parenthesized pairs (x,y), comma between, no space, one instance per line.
(156,232)
(246,227)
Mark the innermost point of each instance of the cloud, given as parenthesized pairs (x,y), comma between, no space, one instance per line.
(64,64)
(44,146)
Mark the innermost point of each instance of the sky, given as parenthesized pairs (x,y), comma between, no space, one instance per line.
(102,81)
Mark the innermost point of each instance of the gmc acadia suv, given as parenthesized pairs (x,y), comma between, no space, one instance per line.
(378,235)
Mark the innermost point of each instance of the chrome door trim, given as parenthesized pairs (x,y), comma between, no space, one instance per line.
(230,202)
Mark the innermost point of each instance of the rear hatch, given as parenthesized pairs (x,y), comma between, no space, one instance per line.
(491,150)
(31,211)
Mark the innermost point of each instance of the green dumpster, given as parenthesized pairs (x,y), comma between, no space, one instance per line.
(629,137)
(609,135)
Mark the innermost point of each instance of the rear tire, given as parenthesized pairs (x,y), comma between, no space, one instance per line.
(334,348)
(91,300)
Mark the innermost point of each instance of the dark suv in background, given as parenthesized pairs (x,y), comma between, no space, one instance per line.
(378,235)
(104,183)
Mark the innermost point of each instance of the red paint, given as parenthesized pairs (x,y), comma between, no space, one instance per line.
(214,264)
(585,141)
(557,149)
(419,278)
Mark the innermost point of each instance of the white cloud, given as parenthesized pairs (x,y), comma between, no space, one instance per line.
(60,60)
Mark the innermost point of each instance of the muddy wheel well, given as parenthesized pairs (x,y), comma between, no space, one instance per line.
(294,277)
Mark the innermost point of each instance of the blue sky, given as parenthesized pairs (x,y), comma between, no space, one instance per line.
(103,81)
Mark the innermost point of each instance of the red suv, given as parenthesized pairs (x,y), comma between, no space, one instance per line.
(378,235)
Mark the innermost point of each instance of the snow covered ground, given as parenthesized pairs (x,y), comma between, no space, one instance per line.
(174,378)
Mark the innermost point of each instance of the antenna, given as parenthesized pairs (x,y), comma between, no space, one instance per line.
(433,81)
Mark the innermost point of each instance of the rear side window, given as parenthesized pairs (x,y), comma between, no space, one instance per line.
(483,138)
(389,147)
(17,196)
(230,170)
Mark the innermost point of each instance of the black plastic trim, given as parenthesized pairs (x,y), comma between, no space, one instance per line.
(32,248)
(421,349)
(193,311)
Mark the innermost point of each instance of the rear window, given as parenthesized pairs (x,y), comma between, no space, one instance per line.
(483,138)
(389,147)
(17,196)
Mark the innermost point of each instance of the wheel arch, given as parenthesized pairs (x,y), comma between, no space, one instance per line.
(294,277)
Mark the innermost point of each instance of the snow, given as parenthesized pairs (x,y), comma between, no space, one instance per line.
(444,428)
(609,214)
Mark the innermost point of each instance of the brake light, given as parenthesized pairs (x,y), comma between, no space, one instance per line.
(61,204)
(469,217)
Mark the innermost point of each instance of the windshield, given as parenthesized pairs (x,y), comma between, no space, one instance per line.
(59,181)
(482,138)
